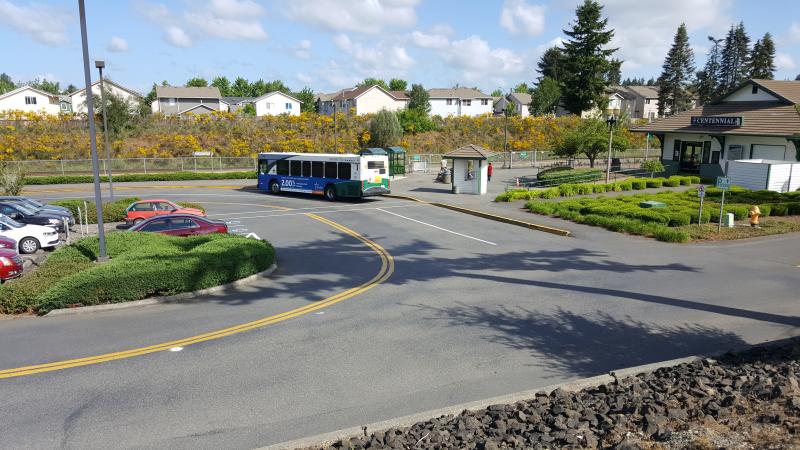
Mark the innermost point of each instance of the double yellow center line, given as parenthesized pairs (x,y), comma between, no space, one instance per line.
(386,270)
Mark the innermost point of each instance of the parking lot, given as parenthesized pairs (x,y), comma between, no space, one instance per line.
(469,309)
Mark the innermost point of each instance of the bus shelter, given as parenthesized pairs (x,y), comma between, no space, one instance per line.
(470,169)
(397,160)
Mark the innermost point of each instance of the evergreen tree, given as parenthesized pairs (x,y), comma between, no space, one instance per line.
(223,84)
(197,82)
(708,79)
(240,88)
(497,93)
(586,61)
(396,84)
(419,99)
(735,54)
(373,82)
(52,87)
(651,81)
(150,97)
(762,59)
(544,98)
(385,130)
(614,74)
(673,84)
(258,88)
(551,64)
(70,89)
(6,83)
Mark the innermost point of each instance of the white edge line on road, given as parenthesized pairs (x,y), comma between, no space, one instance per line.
(329,207)
(438,228)
(265,216)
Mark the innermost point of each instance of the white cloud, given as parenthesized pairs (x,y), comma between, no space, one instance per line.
(644,31)
(43,24)
(359,16)
(429,40)
(794,32)
(117,44)
(374,60)
(519,17)
(177,37)
(478,62)
(784,62)
(303,49)
(303,78)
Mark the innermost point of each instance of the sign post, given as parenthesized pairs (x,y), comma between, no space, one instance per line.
(724,184)
(701,192)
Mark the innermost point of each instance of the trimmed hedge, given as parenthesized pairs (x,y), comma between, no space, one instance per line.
(566,174)
(142,265)
(112,211)
(571,190)
(122,178)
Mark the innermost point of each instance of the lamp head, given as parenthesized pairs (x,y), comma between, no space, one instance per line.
(100,64)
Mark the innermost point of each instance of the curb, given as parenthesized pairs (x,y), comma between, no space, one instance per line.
(485,215)
(177,298)
(322,440)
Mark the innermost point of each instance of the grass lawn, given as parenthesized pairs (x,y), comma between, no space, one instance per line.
(742,230)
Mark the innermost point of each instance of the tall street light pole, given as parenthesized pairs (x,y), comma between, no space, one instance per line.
(335,129)
(98,198)
(505,132)
(100,64)
(612,122)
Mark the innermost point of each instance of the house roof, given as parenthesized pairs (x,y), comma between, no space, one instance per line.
(786,90)
(400,95)
(763,118)
(111,82)
(197,107)
(270,94)
(187,92)
(522,98)
(461,93)
(470,151)
(642,91)
(237,100)
(354,93)
(27,88)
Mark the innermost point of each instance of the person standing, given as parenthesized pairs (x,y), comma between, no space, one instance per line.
(489,171)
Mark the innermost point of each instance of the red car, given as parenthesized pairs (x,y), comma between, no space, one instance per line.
(10,262)
(181,225)
(145,209)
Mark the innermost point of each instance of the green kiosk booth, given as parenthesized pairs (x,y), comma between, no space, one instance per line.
(397,158)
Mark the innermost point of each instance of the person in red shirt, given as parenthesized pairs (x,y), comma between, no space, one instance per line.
(489,171)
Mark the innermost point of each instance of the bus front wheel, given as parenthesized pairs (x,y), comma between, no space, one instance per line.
(330,193)
(274,187)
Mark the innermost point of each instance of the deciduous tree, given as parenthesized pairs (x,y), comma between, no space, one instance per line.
(223,84)
(373,82)
(396,84)
(197,82)
(590,138)
(385,130)
(419,99)
(306,95)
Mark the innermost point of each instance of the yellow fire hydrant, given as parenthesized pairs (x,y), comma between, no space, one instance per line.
(754,214)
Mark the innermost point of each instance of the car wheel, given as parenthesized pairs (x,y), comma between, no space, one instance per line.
(137,221)
(274,187)
(330,193)
(28,245)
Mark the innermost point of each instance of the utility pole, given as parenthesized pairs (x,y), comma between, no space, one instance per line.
(98,197)
(335,129)
(505,131)
(100,64)
(612,122)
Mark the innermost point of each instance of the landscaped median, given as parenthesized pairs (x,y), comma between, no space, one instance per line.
(142,265)
(158,176)
(571,190)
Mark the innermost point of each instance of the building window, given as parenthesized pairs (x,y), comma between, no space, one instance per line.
(754,90)
(449,101)
(64,107)
(484,101)
(172,101)
(269,105)
(30,100)
(466,102)
(647,101)
(288,106)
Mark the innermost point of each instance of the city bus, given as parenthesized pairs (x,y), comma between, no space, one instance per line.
(330,175)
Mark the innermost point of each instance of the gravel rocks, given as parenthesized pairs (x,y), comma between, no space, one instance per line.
(742,396)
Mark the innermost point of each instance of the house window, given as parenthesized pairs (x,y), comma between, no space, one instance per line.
(64,107)
(172,101)
(288,106)
(647,101)
(484,101)
(269,105)
(466,102)
(754,90)
(30,100)
(449,101)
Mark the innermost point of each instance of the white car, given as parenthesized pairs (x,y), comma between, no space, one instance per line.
(30,238)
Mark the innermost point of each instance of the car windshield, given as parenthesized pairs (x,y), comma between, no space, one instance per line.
(10,222)
(24,209)
(33,203)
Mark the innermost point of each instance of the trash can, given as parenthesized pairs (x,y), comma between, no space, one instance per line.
(446,177)
(727,220)
(456,189)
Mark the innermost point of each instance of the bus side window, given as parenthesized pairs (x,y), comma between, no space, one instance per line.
(296,168)
(317,169)
(344,171)
(283,167)
(330,170)
(306,168)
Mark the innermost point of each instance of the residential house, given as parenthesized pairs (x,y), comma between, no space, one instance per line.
(362,100)
(171,100)
(234,104)
(78,98)
(459,102)
(520,102)
(276,103)
(30,99)
(757,120)
(644,101)
(65,103)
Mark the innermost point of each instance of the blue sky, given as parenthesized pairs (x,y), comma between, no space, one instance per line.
(330,44)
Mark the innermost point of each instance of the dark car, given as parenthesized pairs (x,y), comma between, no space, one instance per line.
(10,264)
(32,203)
(181,225)
(23,214)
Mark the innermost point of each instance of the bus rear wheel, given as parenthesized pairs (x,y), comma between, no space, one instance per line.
(274,187)
(330,193)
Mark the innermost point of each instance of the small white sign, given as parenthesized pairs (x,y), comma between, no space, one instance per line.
(701,191)
(252,236)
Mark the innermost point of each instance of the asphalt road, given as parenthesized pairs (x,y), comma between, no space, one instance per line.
(472,309)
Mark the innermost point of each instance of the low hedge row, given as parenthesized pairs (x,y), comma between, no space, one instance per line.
(121,178)
(568,174)
(112,211)
(142,265)
(571,190)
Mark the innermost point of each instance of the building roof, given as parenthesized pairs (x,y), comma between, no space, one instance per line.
(270,94)
(461,93)
(187,92)
(111,82)
(400,95)
(28,88)
(763,118)
(354,93)
(786,90)
(470,151)
(642,91)
(522,98)
(237,100)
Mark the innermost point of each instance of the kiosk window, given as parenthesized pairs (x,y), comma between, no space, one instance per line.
(283,167)
(297,168)
(306,168)
(344,171)
(676,151)
(706,152)
(317,169)
(330,170)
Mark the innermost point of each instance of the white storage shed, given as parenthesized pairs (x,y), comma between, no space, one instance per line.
(758,174)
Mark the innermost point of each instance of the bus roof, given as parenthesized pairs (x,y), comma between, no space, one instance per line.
(334,155)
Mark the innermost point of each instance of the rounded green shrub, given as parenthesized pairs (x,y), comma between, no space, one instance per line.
(672,182)
(666,234)
(549,193)
(638,184)
(654,182)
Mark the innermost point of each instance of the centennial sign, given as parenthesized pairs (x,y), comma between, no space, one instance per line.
(717,121)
